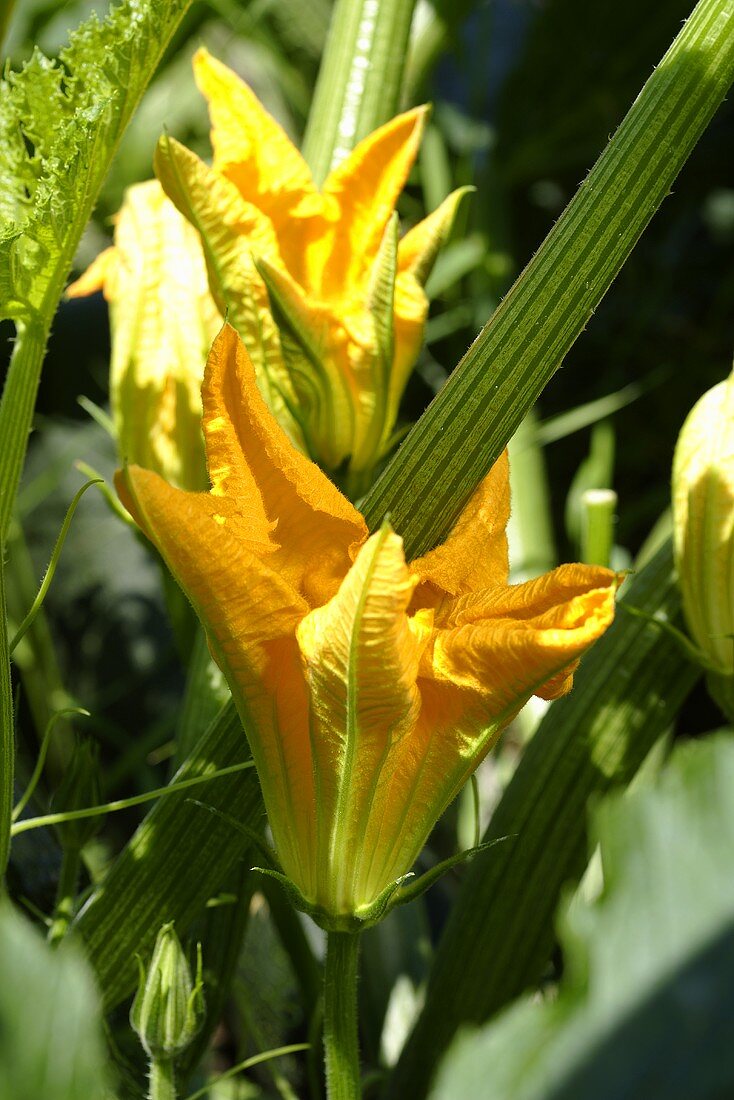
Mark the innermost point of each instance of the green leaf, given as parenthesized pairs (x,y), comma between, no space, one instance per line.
(467,426)
(360,79)
(177,859)
(646,1008)
(500,934)
(50,1025)
(60,124)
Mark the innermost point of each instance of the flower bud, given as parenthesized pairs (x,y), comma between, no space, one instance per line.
(168,1008)
(79,790)
(703,517)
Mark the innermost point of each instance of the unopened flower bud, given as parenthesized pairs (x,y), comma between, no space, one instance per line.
(168,1008)
(703,515)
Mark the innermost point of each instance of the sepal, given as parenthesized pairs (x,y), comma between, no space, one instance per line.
(358,921)
(420,246)
(429,878)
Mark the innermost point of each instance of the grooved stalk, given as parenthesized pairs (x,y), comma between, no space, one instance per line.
(341,1043)
(465,429)
(360,79)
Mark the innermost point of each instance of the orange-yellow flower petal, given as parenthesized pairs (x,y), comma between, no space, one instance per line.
(489,653)
(271,486)
(421,244)
(96,277)
(232,231)
(366,187)
(474,555)
(250,613)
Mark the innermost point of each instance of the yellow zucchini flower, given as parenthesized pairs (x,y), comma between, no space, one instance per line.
(330,304)
(163,320)
(370,689)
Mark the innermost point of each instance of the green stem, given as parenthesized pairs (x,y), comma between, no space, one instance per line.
(35,658)
(17,404)
(162,1080)
(65,895)
(126,803)
(7,739)
(530,530)
(597,525)
(360,79)
(341,1045)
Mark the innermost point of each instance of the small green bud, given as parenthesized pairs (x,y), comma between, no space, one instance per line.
(79,789)
(168,1009)
(703,523)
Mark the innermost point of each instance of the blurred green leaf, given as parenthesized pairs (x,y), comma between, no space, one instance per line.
(50,1025)
(646,1008)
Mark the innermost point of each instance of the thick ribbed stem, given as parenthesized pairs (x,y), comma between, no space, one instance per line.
(341,1045)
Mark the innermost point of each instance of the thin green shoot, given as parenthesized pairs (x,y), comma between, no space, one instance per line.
(49,574)
(124,803)
(25,798)
(248,1063)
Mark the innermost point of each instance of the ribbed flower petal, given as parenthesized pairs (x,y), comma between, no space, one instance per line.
(315,349)
(276,494)
(510,641)
(496,649)
(475,553)
(365,187)
(250,147)
(250,613)
(361,660)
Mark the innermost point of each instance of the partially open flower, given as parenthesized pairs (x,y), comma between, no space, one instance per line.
(329,303)
(370,689)
(163,321)
(703,523)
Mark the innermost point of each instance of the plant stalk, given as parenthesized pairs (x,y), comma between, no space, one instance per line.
(65,895)
(161,1079)
(341,1044)
(7,730)
(360,79)
(465,429)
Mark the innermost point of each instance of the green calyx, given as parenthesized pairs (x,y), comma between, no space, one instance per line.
(395,893)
